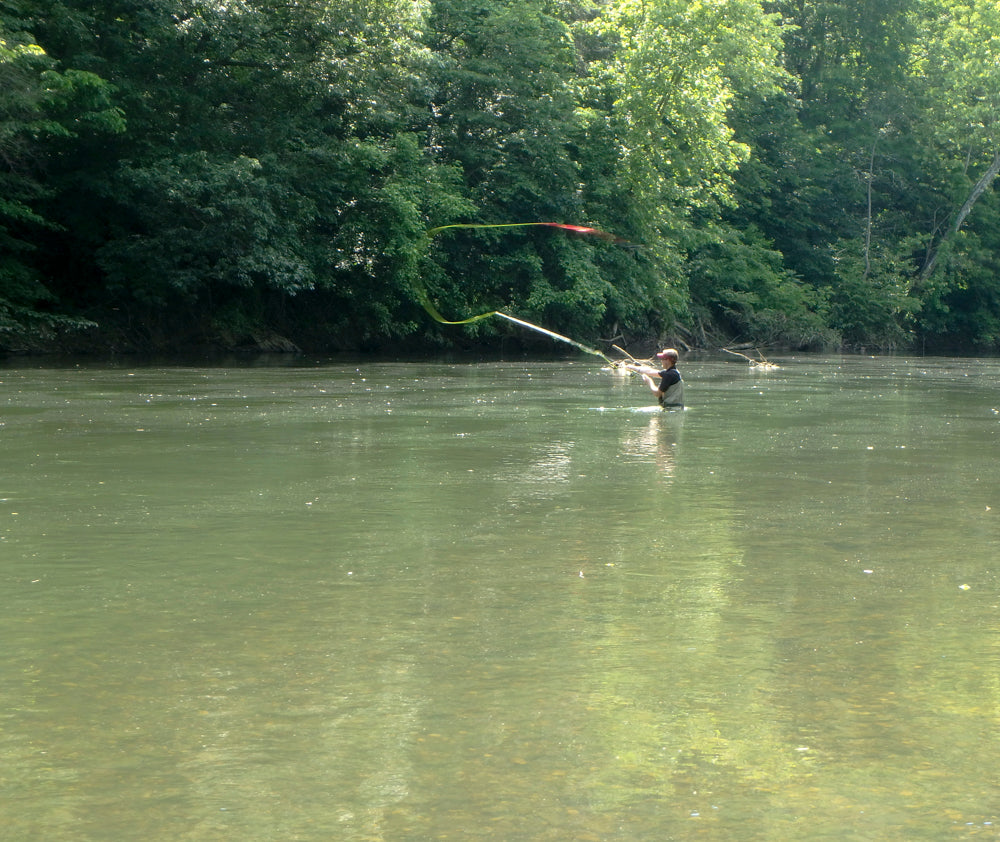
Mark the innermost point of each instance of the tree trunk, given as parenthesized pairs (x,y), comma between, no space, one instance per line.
(980,187)
(868,221)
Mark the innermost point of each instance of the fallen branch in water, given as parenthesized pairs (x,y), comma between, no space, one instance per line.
(626,353)
(761,363)
(618,364)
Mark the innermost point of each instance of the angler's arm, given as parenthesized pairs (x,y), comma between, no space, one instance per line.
(648,374)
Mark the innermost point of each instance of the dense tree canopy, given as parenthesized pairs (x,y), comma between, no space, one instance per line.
(257,173)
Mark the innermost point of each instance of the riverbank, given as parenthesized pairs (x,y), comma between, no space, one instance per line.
(115,336)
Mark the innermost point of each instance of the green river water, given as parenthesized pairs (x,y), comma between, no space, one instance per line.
(500,601)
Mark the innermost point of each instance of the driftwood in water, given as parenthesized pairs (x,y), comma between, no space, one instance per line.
(630,361)
(761,363)
(626,353)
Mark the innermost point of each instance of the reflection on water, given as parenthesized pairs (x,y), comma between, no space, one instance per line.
(345,602)
(656,442)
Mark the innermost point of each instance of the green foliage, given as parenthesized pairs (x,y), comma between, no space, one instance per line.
(504,112)
(739,283)
(871,305)
(39,106)
(960,303)
(795,173)
(376,242)
(198,222)
(674,77)
(958,61)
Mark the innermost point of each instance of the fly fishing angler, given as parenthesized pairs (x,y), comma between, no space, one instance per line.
(670,390)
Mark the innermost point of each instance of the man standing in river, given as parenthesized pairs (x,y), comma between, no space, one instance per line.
(670,390)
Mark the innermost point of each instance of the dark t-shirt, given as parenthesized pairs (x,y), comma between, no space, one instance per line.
(668,377)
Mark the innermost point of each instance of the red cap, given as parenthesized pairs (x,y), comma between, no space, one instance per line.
(667,353)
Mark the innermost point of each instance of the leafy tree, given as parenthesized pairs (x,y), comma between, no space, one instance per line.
(740,287)
(258,134)
(829,177)
(958,56)
(674,77)
(668,81)
(41,109)
(789,172)
(503,110)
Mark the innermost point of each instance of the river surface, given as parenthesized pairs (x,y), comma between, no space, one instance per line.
(501,601)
